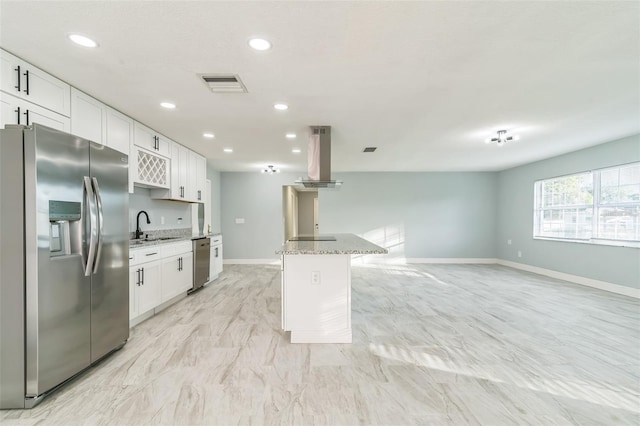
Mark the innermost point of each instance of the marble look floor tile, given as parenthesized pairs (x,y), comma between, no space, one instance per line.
(432,345)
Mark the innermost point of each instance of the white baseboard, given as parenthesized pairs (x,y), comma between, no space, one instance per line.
(479,260)
(251,261)
(576,279)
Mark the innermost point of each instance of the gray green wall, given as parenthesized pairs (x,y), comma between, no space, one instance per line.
(416,215)
(257,198)
(617,265)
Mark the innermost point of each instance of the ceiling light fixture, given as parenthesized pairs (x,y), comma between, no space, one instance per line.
(296,150)
(209,135)
(82,40)
(270,170)
(502,138)
(259,44)
(290,135)
(228,150)
(167,105)
(281,107)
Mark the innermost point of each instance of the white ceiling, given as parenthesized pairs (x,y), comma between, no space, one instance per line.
(425,82)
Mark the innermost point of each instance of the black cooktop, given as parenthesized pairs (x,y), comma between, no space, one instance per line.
(313,238)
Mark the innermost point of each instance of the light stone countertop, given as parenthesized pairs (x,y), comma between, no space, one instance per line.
(159,238)
(344,244)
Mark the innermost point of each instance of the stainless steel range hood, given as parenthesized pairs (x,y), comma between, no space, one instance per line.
(319,159)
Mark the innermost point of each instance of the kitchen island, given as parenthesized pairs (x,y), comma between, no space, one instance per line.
(316,287)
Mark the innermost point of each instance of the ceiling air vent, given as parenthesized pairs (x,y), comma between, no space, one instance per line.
(370,149)
(224,83)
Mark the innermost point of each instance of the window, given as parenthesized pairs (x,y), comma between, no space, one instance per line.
(602,206)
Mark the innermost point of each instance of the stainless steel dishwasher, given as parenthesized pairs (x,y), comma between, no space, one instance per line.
(201,261)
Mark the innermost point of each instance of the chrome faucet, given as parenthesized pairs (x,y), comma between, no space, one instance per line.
(138,230)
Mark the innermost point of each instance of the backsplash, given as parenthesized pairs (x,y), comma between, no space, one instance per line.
(174,214)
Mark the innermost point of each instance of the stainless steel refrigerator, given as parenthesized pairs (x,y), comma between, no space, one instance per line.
(64,259)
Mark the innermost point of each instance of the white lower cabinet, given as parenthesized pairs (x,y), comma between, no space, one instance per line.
(148,292)
(157,275)
(144,280)
(177,275)
(215,263)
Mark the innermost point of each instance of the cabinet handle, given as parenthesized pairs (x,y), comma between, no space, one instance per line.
(199,195)
(19,78)
(182,191)
(18,111)
(138,277)
(179,264)
(26,113)
(216,251)
(151,254)
(26,73)
(142,275)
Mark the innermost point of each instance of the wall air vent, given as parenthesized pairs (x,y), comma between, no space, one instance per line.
(223,83)
(370,149)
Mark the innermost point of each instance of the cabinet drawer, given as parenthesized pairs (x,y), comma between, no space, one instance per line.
(216,240)
(143,255)
(177,248)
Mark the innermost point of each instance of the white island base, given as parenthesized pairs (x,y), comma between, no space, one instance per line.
(316,298)
(316,287)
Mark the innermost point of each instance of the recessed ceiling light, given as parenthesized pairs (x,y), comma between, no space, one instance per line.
(296,150)
(228,150)
(290,135)
(82,40)
(167,105)
(281,107)
(209,135)
(259,44)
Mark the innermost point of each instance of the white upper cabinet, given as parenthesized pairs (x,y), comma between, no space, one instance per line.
(119,134)
(188,176)
(120,137)
(201,178)
(14,110)
(88,117)
(151,140)
(23,80)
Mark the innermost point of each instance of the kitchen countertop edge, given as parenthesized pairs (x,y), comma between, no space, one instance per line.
(344,244)
(144,244)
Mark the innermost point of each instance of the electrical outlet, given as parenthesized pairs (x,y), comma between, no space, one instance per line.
(239,220)
(315,277)
(509,242)
(161,220)
(519,253)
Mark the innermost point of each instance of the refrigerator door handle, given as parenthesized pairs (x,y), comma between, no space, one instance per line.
(93,228)
(96,188)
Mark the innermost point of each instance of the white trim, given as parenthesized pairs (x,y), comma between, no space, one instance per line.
(576,279)
(251,261)
(480,260)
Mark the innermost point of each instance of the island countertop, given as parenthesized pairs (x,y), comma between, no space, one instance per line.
(344,244)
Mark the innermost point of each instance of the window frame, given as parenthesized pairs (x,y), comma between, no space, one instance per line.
(596,205)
